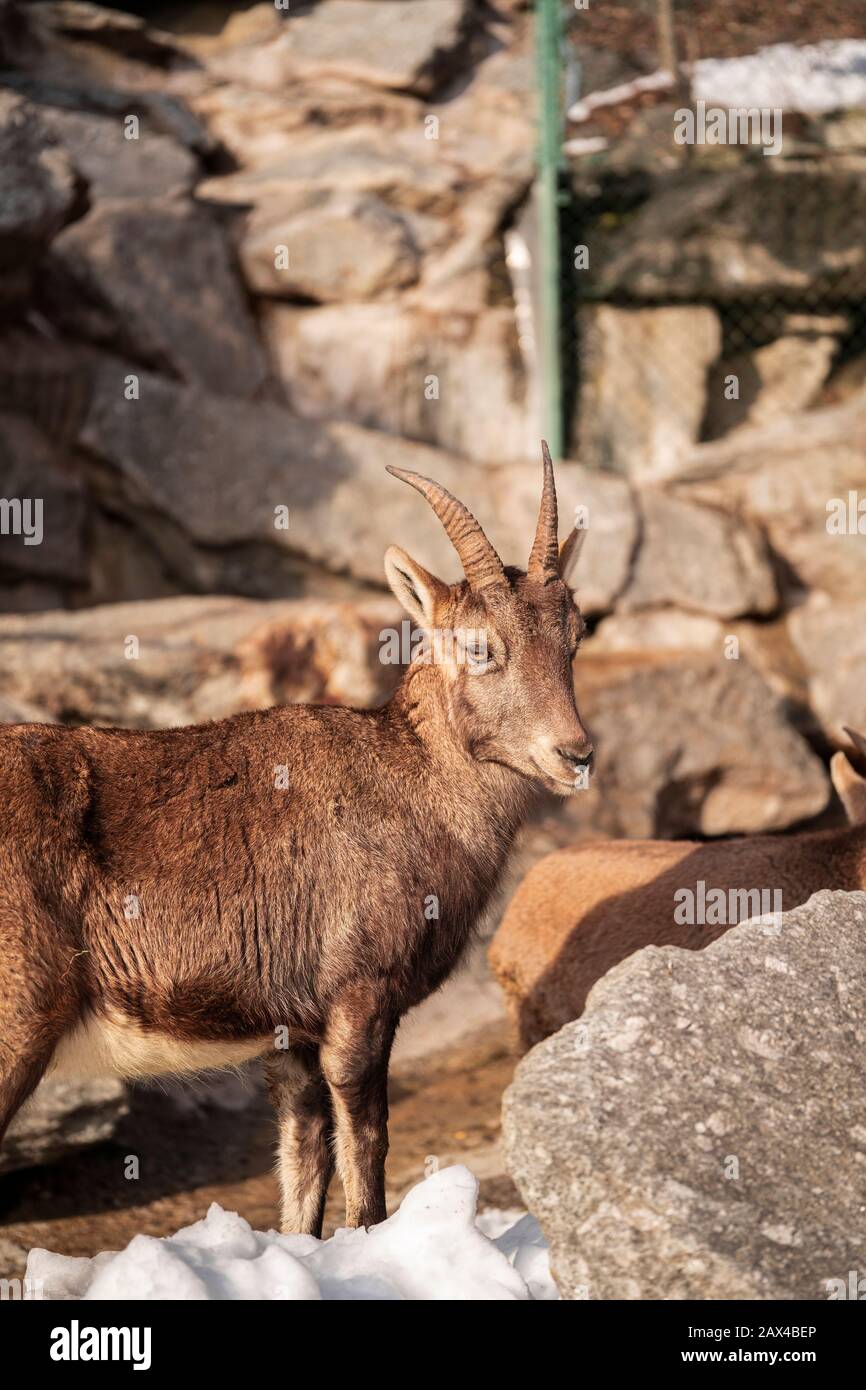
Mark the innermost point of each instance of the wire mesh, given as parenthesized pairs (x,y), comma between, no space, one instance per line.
(762,251)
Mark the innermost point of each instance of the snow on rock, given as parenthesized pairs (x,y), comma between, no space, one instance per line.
(624,91)
(816,78)
(432,1248)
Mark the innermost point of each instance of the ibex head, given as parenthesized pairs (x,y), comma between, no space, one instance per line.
(503,640)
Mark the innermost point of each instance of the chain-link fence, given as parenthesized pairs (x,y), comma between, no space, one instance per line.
(711,271)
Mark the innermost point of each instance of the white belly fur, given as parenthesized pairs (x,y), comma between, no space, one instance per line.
(114,1046)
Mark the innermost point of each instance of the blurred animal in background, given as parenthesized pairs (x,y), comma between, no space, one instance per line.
(582,910)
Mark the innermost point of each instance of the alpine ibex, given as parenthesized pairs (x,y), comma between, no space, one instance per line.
(180,899)
(580,911)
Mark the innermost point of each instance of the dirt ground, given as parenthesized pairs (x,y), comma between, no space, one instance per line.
(199,1151)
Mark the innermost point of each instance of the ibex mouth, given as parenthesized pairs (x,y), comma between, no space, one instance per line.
(578,780)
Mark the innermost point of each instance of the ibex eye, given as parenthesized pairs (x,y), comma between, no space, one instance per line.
(476,651)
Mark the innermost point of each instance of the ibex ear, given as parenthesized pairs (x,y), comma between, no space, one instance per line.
(569,551)
(418,590)
(850,788)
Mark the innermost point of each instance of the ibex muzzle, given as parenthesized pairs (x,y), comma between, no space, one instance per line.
(263,885)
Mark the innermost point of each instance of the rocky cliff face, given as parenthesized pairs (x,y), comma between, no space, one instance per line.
(292,225)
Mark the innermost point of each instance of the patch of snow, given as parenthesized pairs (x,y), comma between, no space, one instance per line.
(589,144)
(525,1246)
(816,78)
(813,79)
(494,1222)
(432,1248)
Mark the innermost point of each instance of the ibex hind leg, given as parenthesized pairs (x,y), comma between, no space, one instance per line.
(305,1159)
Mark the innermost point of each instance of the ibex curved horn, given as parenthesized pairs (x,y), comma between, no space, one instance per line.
(543,562)
(481,565)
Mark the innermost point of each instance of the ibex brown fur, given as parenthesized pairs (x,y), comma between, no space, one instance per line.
(167,903)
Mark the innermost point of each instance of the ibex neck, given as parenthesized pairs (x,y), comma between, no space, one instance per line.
(421,707)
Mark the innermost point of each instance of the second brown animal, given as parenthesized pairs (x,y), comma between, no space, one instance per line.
(582,910)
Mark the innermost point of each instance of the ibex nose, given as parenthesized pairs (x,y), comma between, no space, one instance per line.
(577,755)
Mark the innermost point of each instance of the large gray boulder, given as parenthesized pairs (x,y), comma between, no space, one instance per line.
(153,166)
(643,391)
(655,630)
(347,180)
(60,1117)
(155,279)
(159,442)
(40,189)
(327,247)
(348,159)
(794,477)
(407,47)
(447,379)
(701,1132)
(716,755)
(830,637)
(699,558)
(772,381)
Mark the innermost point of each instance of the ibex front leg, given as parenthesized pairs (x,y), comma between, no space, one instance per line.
(305,1157)
(354,1060)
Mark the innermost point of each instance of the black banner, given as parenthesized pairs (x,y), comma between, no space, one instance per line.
(81,1339)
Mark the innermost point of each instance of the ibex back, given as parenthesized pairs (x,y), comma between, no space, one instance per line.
(184,899)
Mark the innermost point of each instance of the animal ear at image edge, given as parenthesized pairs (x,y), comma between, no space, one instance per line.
(858,740)
(849,784)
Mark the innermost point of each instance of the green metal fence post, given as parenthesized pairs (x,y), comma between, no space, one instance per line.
(548,35)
